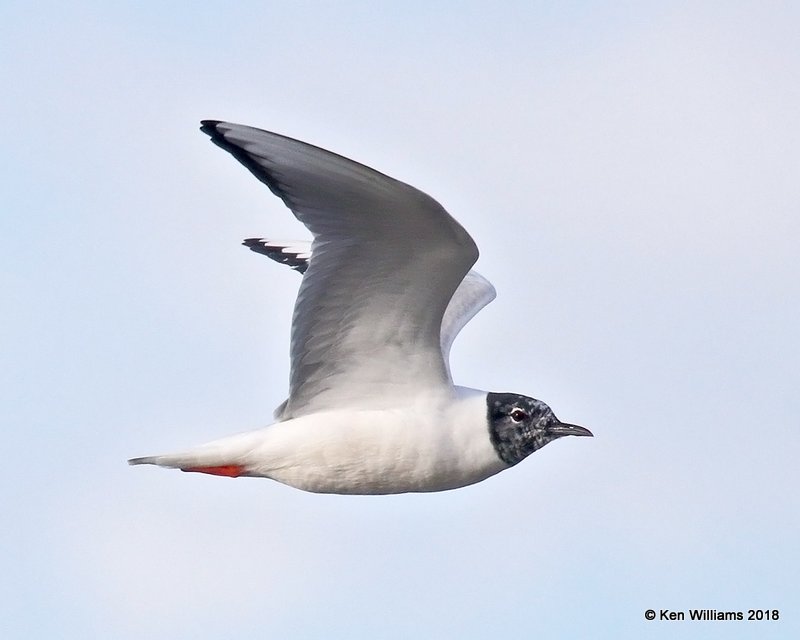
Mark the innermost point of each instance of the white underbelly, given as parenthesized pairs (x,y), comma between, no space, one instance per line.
(375,453)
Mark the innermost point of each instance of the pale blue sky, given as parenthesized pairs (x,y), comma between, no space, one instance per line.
(631,174)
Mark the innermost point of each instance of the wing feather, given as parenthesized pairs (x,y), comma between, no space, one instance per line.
(387,259)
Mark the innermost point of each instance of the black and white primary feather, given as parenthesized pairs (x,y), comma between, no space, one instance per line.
(387,285)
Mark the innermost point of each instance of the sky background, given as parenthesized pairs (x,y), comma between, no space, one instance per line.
(631,174)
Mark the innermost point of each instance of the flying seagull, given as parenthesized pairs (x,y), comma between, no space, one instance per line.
(387,286)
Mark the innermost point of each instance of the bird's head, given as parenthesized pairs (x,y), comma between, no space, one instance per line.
(519,425)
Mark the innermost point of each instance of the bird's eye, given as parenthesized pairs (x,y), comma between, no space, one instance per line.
(518,415)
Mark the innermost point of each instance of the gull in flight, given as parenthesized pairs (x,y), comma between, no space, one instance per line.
(386,287)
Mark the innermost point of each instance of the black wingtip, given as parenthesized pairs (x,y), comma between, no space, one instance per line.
(209,127)
(276,253)
(262,173)
(258,245)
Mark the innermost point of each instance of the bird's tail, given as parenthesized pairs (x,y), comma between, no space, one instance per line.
(200,461)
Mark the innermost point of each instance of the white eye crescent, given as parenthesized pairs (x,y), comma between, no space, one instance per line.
(518,415)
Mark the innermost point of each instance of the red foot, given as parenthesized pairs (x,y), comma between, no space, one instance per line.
(229,470)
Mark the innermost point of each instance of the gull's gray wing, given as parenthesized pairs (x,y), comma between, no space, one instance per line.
(472,295)
(387,259)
